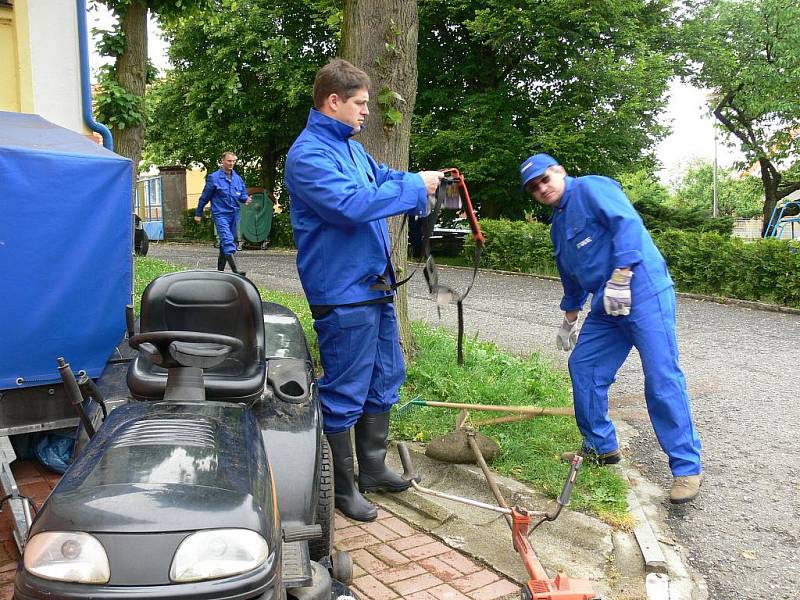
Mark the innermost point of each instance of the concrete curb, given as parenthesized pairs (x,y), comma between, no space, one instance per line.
(667,576)
(576,544)
(622,564)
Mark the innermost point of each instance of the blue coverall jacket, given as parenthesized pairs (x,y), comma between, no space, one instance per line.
(225,197)
(595,230)
(340,198)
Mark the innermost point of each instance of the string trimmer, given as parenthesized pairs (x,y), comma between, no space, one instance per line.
(539,586)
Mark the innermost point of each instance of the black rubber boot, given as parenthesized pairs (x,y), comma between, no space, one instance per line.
(232,263)
(347,498)
(221,261)
(372,435)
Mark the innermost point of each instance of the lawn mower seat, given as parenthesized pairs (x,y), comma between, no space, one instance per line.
(209,302)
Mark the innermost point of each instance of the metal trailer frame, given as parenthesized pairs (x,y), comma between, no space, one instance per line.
(778,220)
(49,400)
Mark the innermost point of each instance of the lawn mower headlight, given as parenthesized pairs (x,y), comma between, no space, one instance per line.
(218,553)
(66,556)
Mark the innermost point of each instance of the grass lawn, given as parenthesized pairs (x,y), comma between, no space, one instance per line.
(530,449)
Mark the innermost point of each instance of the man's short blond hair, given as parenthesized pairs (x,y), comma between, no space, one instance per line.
(341,78)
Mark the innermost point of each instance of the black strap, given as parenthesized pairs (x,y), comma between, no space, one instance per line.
(452,184)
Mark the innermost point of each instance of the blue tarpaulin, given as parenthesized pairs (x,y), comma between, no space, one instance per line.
(65,250)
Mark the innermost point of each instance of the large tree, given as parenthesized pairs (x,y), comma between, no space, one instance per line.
(500,80)
(380,37)
(241,80)
(737,196)
(748,53)
(121,101)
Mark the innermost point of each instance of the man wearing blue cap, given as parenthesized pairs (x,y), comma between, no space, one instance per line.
(602,248)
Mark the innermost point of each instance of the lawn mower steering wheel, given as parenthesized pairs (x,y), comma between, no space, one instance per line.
(160,341)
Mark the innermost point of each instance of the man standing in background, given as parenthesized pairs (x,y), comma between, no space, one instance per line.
(226,191)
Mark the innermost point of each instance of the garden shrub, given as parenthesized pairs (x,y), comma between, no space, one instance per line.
(707,263)
(204,230)
(515,246)
(658,217)
(281,235)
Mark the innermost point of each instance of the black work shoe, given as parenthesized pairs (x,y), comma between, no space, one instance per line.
(608,458)
(232,263)
(347,498)
(372,437)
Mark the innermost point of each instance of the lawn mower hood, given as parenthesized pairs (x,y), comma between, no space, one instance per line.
(155,467)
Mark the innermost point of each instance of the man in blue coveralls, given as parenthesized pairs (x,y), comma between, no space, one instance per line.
(225,190)
(340,199)
(602,248)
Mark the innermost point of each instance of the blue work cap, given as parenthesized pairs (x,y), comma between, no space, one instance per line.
(535,167)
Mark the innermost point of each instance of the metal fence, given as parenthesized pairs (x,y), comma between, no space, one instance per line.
(149,205)
(750,229)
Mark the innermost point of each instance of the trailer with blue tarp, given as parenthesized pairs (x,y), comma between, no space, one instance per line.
(65,255)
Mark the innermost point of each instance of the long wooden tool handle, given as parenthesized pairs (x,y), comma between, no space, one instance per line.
(563,411)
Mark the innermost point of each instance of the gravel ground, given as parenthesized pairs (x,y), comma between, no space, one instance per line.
(742,534)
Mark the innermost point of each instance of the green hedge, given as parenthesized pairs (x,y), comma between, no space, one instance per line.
(281,235)
(657,218)
(702,263)
(515,246)
(204,230)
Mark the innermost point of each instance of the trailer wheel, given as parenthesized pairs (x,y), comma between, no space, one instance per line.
(143,244)
(322,546)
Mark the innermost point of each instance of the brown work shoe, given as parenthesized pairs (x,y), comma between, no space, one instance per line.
(609,458)
(685,488)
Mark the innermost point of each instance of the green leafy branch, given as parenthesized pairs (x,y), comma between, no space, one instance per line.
(114,104)
(110,42)
(389,100)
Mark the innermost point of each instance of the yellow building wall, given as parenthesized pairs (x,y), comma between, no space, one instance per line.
(16,89)
(195,181)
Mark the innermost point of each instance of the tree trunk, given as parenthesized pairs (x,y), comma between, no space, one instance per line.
(380,37)
(131,67)
(770,179)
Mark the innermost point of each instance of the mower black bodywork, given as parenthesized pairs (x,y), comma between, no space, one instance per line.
(215,436)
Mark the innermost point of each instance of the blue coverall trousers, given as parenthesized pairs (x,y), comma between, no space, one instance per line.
(603,345)
(362,361)
(226,223)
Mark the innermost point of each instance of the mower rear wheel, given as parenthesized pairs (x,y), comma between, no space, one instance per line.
(141,245)
(322,546)
(342,567)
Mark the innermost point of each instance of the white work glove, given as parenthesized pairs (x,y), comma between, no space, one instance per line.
(431,205)
(617,295)
(567,335)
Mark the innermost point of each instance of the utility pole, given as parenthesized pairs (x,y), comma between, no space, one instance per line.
(714,185)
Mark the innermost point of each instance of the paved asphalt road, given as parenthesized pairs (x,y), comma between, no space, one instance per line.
(743,533)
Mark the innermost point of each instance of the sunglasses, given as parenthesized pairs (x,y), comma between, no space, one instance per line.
(534,185)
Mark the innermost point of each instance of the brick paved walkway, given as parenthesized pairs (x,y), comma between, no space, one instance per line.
(36,482)
(392,559)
